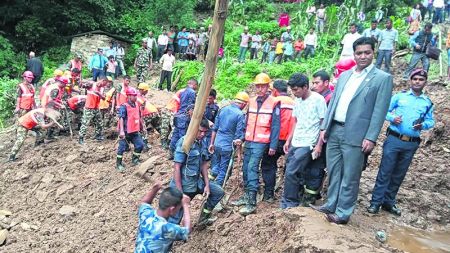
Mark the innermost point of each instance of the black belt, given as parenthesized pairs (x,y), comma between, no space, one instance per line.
(402,136)
(338,123)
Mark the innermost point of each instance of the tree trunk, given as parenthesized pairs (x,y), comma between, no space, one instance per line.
(217,33)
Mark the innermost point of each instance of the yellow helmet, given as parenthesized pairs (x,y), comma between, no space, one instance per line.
(57,72)
(67,73)
(262,78)
(242,96)
(143,86)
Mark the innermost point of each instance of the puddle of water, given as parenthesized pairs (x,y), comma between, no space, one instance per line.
(418,241)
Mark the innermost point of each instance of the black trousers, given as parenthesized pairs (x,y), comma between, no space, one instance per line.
(165,75)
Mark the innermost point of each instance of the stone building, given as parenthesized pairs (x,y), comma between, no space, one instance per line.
(87,43)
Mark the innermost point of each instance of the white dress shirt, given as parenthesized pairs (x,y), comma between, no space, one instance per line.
(163,40)
(353,83)
(311,39)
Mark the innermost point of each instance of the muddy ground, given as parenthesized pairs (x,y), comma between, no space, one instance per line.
(69,198)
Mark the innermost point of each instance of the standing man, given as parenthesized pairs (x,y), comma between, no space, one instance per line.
(97,64)
(183,41)
(91,109)
(321,85)
(25,94)
(119,58)
(228,130)
(121,96)
(163,40)
(171,35)
(167,62)
(75,63)
(269,162)
(420,41)
(347,42)
(130,124)
(151,42)
(182,116)
(311,43)
(34,65)
(351,128)
(245,39)
(143,62)
(301,180)
(438,16)
(409,113)
(256,44)
(287,36)
(190,173)
(321,16)
(261,136)
(388,41)
(202,39)
(373,32)
(211,111)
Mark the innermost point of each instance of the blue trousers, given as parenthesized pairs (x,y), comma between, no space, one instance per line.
(219,164)
(216,194)
(96,73)
(253,154)
(438,17)
(242,52)
(415,58)
(385,55)
(294,177)
(134,138)
(181,124)
(345,164)
(269,168)
(397,156)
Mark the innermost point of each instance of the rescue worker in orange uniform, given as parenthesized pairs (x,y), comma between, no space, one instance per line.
(91,108)
(108,105)
(33,120)
(149,112)
(76,105)
(261,137)
(56,74)
(130,124)
(25,94)
(269,162)
(53,98)
(121,97)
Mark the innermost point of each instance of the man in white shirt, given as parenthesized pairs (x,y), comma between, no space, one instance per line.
(256,44)
(245,38)
(310,43)
(321,16)
(167,61)
(163,40)
(439,6)
(308,113)
(119,59)
(151,42)
(347,42)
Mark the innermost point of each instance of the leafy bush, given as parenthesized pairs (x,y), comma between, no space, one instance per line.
(7,99)
(10,66)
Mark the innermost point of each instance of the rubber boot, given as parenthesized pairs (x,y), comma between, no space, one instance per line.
(309,199)
(250,207)
(164,144)
(81,140)
(12,158)
(38,142)
(147,146)
(204,216)
(135,159)
(268,197)
(99,137)
(50,134)
(240,201)
(170,155)
(119,165)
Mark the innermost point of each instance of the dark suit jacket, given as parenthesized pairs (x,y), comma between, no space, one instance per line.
(367,109)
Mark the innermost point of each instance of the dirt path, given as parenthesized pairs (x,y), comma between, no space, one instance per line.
(68,198)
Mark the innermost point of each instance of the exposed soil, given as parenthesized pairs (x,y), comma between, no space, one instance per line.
(68,198)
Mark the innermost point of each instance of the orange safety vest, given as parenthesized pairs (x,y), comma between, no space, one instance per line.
(46,98)
(174,103)
(121,96)
(133,118)
(92,98)
(75,64)
(104,103)
(286,107)
(259,122)
(44,86)
(75,100)
(146,107)
(26,100)
(28,120)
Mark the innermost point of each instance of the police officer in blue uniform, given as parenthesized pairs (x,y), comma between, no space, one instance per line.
(409,113)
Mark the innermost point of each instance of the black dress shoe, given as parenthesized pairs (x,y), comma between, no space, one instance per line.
(321,209)
(373,209)
(333,218)
(392,209)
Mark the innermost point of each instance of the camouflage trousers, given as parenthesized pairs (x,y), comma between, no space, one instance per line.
(165,126)
(141,73)
(107,117)
(151,122)
(88,116)
(22,135)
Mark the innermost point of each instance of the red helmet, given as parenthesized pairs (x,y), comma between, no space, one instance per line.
(343,65)
(62,79)
(28,74)
(131,92)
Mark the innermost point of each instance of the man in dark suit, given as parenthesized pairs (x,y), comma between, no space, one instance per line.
(351,127)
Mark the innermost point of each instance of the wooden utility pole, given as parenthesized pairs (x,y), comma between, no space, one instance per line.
(217,33)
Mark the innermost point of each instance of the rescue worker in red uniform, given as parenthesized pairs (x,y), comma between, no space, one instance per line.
(91,108)
(76,105)
(25,94)
(129,127)
(261,136)
(121,97)
(269,162)
(33,121)
(53,98)
(56,74)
